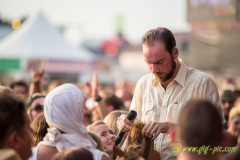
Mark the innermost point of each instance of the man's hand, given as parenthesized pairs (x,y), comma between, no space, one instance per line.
(153,129)
(37,76)
(123,124)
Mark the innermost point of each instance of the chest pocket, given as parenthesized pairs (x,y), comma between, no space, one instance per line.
(178,106)
(147,107)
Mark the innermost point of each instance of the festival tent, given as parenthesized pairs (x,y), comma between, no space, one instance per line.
(38,41)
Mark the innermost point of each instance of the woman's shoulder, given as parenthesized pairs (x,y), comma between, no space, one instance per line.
(46,152)
(43,152)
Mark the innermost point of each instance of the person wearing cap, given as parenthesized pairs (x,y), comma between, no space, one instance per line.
(227,104)
(35,104)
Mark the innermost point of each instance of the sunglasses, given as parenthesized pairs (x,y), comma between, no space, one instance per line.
(38,107)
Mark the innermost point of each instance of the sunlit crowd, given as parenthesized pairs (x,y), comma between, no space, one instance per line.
(71,122)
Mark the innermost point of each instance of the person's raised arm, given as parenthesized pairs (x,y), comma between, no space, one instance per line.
(100,106)
(36,77)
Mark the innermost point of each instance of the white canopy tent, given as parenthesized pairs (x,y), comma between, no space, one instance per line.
(38,39)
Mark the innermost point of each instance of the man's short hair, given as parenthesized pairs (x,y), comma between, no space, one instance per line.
(6,91)
(160,34)
(200,124)
(19,83)
(11,117)
(113,100)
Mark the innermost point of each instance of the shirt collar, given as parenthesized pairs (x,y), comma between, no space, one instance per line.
(181,75)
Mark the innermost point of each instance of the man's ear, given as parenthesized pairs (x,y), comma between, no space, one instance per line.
(175,53)
(13,140)
(225,139)
(173,134)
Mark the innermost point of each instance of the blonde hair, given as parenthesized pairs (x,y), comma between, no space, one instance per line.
(90,127)
(111,120)
(235,111)
(97,139)
(237,102)
(39,127)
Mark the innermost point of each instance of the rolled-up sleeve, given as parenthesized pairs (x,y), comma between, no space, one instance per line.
(210,92)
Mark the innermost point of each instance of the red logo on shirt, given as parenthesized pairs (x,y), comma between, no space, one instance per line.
(175,102)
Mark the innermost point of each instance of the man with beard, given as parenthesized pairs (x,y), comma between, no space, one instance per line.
(159,96)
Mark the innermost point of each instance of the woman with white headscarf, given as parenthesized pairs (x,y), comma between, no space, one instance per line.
(63,110)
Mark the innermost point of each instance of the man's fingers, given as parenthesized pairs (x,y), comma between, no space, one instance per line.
(153,130)
(129,123)
(150,129)
(125,126)
(156,134)
(119,125)
(124,119)
(122,125)
(145,128)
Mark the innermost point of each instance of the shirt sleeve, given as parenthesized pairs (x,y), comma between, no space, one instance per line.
(136,103)
(210,92)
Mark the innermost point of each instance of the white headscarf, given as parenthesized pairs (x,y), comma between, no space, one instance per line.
(63,109)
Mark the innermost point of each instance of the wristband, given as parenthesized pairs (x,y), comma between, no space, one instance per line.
(99,99)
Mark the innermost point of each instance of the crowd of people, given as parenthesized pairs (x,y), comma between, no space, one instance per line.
(174,103)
